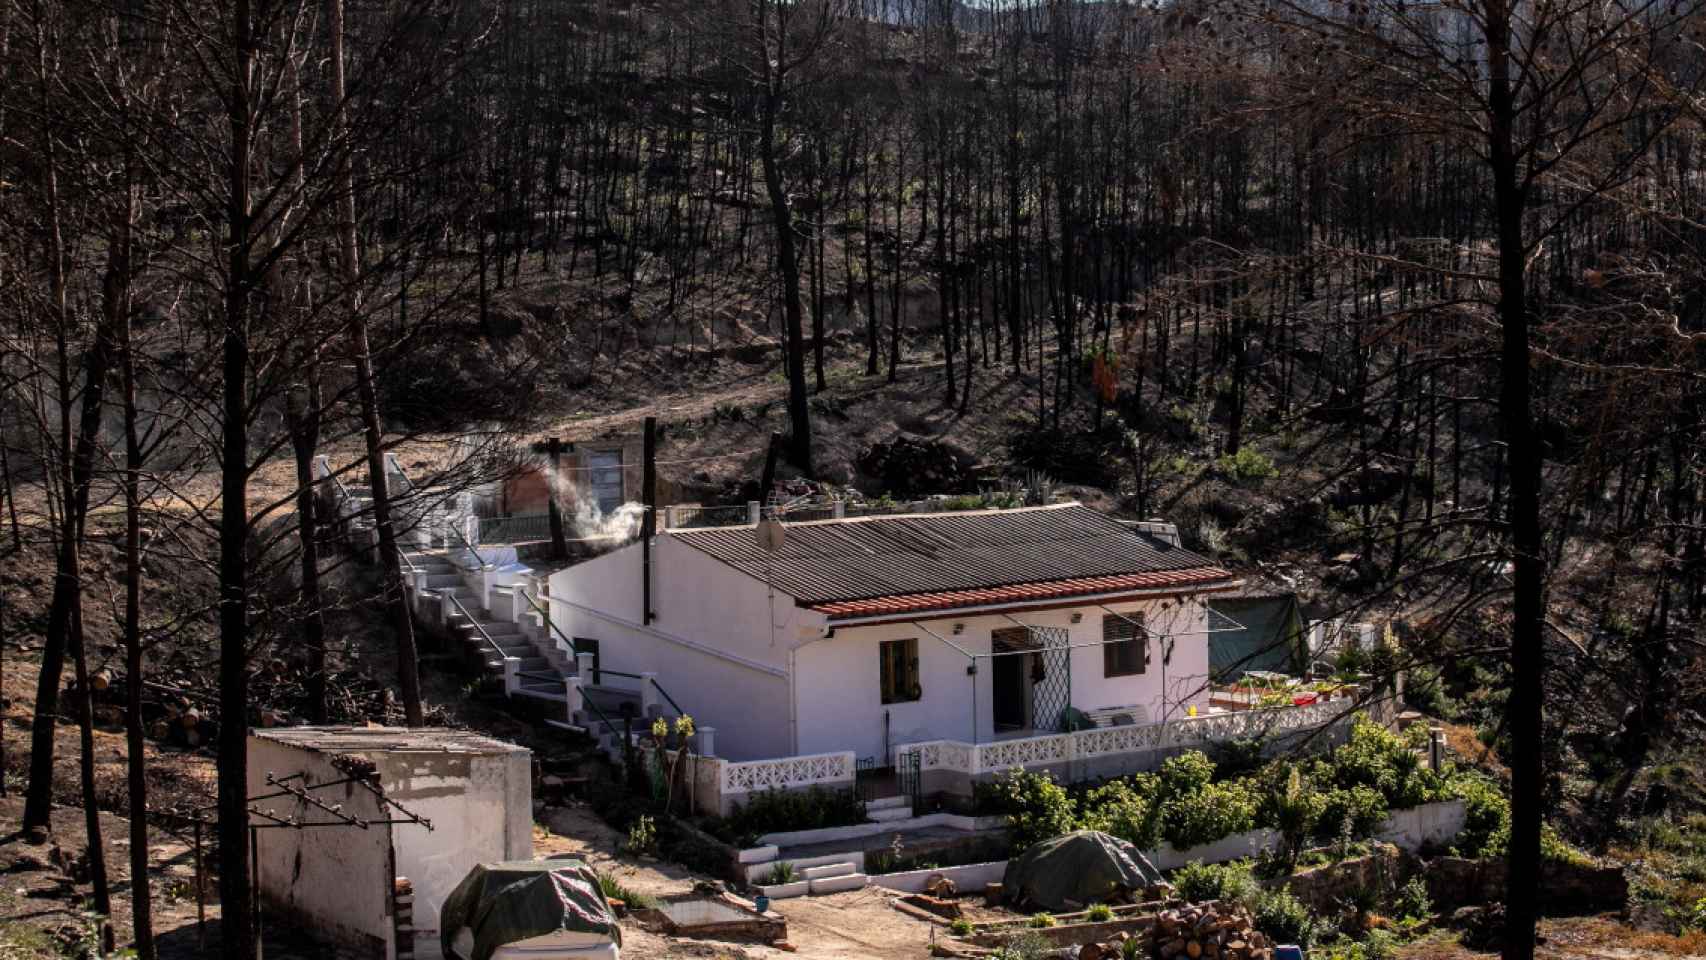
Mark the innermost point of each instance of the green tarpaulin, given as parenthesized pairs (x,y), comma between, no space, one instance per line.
(1271,638)
(509,902)
(1084,867)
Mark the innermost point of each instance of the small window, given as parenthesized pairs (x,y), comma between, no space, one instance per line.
(899,662)
(1125,645)
(604,477)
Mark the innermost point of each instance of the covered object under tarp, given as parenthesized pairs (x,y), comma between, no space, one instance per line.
(504,903)
(1076,870)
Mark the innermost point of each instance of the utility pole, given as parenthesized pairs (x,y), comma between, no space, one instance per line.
(768,481)
(559,544)
(648,516)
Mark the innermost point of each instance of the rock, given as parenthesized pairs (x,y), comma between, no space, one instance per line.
(938,885)
(1173,948)
(949,909)
(1092,951)
(1193,949)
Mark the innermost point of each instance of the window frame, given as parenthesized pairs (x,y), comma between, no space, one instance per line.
(1138,642)
(899,689)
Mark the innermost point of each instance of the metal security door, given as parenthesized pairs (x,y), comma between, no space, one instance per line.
(1051,678)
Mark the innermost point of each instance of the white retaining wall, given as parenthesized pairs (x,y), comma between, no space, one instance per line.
(1428,824)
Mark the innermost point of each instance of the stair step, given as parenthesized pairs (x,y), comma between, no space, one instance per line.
(886,814)
(535,664)
(852,881)
(829,870)
(885,803)
(541,693)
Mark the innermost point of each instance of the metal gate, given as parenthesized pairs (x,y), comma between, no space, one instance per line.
(911,781)
(1051,678)
(866,778)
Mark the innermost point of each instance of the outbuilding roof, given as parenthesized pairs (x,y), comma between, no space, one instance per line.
(911,563)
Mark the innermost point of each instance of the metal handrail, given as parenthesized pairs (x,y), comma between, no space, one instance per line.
(480,561)
(486,636)
(620,673)
(669,699)
(574,648)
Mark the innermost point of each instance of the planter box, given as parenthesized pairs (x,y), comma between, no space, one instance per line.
(782,891)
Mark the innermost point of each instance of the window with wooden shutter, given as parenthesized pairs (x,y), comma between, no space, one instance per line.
(1125,645)
(898,663)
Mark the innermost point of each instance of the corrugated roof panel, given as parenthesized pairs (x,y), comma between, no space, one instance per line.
(845,560)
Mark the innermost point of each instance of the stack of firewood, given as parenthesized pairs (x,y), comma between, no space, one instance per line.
(1209,931)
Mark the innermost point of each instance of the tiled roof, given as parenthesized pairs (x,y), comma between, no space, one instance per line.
(1022,593)
(914,562)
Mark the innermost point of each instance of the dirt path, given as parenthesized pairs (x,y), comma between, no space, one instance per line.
(857,925)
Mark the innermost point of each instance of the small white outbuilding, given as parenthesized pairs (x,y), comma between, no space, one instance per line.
(342,815)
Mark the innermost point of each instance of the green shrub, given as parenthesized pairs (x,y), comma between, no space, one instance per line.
(1186,773)
(777,811)
(612,889)
(1027,947)
(1198,882)
(1377,758)
(1216,810)
(1487,817)
(642,836)
(1125,809)
(1042,920)
(1246,467)
(1039,808)
(1348,813)
(1412,901)
(1133,948)
(782,872)
(1294,809)
(960,927)
(1098,913)
(1285,919)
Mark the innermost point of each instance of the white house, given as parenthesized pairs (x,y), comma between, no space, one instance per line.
(867,634)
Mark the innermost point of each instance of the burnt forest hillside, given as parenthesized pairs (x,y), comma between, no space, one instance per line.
(1395,308)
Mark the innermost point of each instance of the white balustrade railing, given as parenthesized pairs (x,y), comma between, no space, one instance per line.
(975,758)
(750,776)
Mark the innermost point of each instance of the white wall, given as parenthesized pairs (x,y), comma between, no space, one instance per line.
(838,680)
(334,880)
(704,608)
(481,811)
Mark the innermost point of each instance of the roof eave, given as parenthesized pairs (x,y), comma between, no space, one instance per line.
(1057,603)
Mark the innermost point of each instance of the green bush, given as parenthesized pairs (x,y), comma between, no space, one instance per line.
(1125,809)
(1246,467)
(782,872)
(1350,813)
(1379,759)
(642,837)
(1198,882)
(1294,809)
(613,889)
(1042,920)
(777,811)
(1098,913)
(1487,817)
(1214,811)
(961,927)
(1285,918)
(1028,947)
(1412,901)
(1038,808)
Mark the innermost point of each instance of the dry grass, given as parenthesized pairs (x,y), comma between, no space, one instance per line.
(1464,742)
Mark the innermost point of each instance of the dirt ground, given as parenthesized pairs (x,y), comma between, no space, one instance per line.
(856,925)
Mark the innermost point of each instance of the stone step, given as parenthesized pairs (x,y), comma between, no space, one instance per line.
(829,870)
(886,814)
(885,803)
(852,881)
(437,580)
(535,664)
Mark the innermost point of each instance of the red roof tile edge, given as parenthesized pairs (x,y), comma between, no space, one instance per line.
(1021,592)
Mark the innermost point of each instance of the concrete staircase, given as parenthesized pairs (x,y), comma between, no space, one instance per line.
(885,809)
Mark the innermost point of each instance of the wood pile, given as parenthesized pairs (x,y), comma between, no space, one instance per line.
(1209,931)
